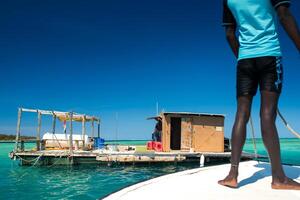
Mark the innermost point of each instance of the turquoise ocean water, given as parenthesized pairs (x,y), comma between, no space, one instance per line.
(93,182)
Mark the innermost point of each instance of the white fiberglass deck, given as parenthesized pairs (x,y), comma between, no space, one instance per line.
(201,183)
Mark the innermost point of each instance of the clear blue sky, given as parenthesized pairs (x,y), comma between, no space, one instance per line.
(102,57)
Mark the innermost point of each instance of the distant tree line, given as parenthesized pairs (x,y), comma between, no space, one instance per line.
(13,137)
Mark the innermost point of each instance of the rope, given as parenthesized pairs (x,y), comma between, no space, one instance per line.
(27,171)
(37,160)
(253,137)
(53,131)
(287,125)
(57,140)
(33,160)
(284,122)
(65,153)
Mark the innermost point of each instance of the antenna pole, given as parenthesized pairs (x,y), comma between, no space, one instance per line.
(117,124)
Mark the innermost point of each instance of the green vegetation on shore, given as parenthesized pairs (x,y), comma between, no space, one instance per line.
(4,137)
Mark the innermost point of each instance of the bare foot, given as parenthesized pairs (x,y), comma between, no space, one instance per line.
(229,181)
(287,184)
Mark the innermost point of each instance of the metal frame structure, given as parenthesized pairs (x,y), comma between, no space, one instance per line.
(63,116)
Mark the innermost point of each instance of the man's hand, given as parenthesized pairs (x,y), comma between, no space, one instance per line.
(289,24)
(232,39)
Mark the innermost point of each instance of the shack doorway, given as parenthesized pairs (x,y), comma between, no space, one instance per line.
(175,133)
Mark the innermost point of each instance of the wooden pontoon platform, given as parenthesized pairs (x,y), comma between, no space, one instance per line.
(50,157)
(77,149)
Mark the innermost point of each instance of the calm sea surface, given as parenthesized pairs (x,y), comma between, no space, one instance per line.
(93,182)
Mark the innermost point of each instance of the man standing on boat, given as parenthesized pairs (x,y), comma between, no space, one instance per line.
(259,64)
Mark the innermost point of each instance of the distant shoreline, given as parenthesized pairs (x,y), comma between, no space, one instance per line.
(7,141)
(11,138)
(13,141)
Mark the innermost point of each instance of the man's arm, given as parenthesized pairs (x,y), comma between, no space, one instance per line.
(232,39)
(289,24)
(230,24)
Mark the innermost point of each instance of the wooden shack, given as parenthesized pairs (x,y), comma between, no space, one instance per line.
(193,132)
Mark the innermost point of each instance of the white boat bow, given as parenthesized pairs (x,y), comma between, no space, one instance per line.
(201,183)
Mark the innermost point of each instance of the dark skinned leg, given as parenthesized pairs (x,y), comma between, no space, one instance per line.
(268,113)
(238,139)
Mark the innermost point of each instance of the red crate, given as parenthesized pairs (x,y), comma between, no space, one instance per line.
(150,145)
(157,146)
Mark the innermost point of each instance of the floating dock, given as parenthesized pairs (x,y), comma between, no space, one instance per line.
(186,137)
(254,183)
(61,157)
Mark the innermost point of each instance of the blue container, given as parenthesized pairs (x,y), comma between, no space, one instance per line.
(99,143)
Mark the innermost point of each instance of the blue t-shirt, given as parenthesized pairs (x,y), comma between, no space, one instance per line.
(256,22)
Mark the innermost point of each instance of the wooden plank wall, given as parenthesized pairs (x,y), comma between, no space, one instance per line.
(208,134)
(166,133)
(206,138)
(186,133)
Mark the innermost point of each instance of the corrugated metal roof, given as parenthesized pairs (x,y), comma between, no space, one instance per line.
(192,113)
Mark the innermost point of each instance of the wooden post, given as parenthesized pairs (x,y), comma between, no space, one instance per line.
(71,134)
(83,131)
(18,129)
(38,135)
(53,123)
(93,129)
